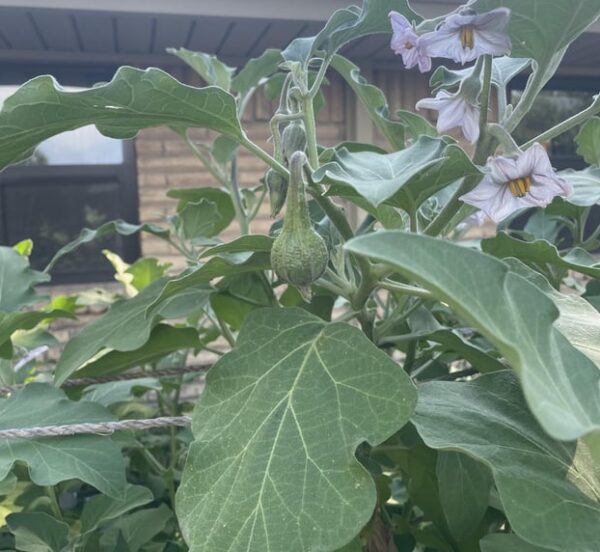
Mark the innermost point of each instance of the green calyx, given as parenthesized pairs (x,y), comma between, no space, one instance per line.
(293,139)
(299,255)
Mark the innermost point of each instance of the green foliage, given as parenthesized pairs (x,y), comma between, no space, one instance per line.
(588,141)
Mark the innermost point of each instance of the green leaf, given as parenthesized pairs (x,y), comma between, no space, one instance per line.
(138,528)
(464,490)
(17,281)
(227,265)
(541,252)
(94,459)
(114,392)
(349,24)
(588,141)
(132,100)
(38,532)
(272,466)
(372,99)
(24,247)
(539,29)
(562,386)
(198,220)
(125,327)
(256,70)
(219,198)
(586,186)
(146,271)
(243,244)
(404,179)
(208,66)
(550,490)
(107,229)
(508,542)
(101,508)
(163,341)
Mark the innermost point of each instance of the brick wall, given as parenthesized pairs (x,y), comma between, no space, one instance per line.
(165,162)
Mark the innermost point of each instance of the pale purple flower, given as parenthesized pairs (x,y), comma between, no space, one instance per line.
(465,36)
(516,183)
(406,42)
(455,110)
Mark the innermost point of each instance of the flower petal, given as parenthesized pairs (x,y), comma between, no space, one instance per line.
(504,169)
(470,124)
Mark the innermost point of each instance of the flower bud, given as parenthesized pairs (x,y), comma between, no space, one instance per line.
(293,139)
(278,187)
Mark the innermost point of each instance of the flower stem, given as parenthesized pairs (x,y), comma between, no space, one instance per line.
(408,290)
(263,155)
(485,95)
(571,122)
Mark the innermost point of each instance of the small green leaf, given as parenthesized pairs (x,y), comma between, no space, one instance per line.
(107,229)
(208,66)
(219,198)
(272,466)
(404,179)
(550,490)
(146,271)
(508,542)
(511,313)
(132,100)
(101,508)
(243,244)
(94,459)
(541,252)
(17,281)
(201,219)
(24,247)
(464,489)
(163,341)
(125,327)
(38,532)
(114,392)
(256,70)
(588,141)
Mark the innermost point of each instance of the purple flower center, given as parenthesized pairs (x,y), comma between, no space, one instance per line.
(520,186)
(467,36)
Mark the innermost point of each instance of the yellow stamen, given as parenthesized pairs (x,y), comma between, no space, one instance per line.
(520,186)
(408,45)
(467,36)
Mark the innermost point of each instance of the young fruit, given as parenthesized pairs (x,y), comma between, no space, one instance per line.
(293,139)
(278,187)
(299,255)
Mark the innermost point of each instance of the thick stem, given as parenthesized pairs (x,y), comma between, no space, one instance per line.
(485,95)
(532,89)
(311,132)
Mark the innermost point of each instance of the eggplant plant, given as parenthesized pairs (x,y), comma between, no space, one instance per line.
(381,386)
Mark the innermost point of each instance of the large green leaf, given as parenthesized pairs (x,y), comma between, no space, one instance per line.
(93,459)
(562,385)
(272,466)
(208,66)
(464,490)
(349,24)
(132,100)
(541,252)
(243,244)
(38,532)
(163,340)
(256,70)
(540,29)
(550,490)
(125,327)
(17,281)
(405,178)
(107,229)
(588,141)
(507,542)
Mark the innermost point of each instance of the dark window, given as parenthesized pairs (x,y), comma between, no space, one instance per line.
(74,180)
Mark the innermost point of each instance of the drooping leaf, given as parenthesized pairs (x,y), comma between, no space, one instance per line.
(125,327)
(256,70)
(225,265)
(562,386)
(541,252)
(275,435)
(508,542)
(550,490)
(404,179)
(464,490)
(17,281)
(132,100)
(588,141)
(372,99)
(349,24)
(107,229)
(243,244)
(101,508)
(586,186)
(38,532)
(93,459)
(199,220)
(163,340)
(208,66)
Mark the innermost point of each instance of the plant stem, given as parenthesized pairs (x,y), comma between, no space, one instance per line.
(262,154)
(311,132)
(406,289)
(571,122)
(534,84)
(51,494)
(237,199)
(485,95)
